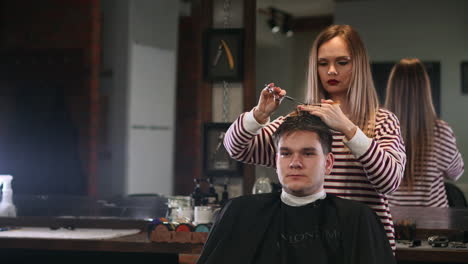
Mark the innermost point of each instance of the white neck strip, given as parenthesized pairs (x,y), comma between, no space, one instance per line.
(296,201)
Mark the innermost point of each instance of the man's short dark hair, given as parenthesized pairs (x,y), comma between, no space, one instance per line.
(303,121)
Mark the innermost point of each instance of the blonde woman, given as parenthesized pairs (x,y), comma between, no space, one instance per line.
(431,148)
(367,144)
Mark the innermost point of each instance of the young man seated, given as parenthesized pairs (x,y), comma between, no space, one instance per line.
(302,224)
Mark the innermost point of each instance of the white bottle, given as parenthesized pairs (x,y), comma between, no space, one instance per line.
(262,185)
(7,208)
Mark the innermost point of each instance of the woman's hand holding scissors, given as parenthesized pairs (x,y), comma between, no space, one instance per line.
(269,101)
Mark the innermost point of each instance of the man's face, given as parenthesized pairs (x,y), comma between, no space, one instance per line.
(301,164)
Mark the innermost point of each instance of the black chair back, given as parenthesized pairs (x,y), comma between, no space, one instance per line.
(455,196)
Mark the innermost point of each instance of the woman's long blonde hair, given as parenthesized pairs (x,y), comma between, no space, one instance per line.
(362,97)
(409,97)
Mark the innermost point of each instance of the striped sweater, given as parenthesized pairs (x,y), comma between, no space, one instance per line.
(445,161)
(365,169)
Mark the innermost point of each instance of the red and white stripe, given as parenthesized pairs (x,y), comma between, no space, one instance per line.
(445,161)
(366,179)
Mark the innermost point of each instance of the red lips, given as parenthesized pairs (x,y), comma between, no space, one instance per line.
(333,82)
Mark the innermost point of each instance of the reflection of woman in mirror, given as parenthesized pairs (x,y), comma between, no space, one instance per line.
(431,149)
(367,145)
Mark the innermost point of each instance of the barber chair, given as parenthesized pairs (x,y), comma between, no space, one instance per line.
(455,196)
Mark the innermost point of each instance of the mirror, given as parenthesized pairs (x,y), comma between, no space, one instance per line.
(70,122)
(45,84)
(390,32)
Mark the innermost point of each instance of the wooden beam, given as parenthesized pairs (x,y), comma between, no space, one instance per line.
(194,96)
(249,91)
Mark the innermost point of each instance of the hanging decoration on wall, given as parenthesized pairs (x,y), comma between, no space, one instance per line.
(224,55)
(224,52)
(223,64)
(217,161)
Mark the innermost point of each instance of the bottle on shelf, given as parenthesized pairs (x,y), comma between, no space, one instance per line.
(197,194)
(212,196)
(225,193)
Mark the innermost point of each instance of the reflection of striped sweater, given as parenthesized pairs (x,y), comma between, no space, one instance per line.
(428,189)
(364,170)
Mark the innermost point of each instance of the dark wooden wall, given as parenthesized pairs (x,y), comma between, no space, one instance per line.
(69,33)
(249,89)
(194,95)
(193,107)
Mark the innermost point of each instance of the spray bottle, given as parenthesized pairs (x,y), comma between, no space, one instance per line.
(7,208)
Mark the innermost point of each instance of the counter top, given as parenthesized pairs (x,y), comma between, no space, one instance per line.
(138,243)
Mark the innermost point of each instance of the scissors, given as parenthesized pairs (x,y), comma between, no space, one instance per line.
(267,86)
(286,96)
(294,99)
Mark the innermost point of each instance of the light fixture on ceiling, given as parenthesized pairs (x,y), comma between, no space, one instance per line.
(279,20)
(286,28)
(272,21)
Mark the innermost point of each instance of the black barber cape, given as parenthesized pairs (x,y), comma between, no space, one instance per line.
(262,229)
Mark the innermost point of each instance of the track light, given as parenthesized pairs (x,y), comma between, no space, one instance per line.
(272,21)
(287,25)
(279,20)
(274,27)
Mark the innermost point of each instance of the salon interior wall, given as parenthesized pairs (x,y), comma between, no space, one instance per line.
(231,100)
(112,165)
(284,61)
(139,39)
(431,30)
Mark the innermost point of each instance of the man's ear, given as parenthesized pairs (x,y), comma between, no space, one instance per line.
(330,159)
